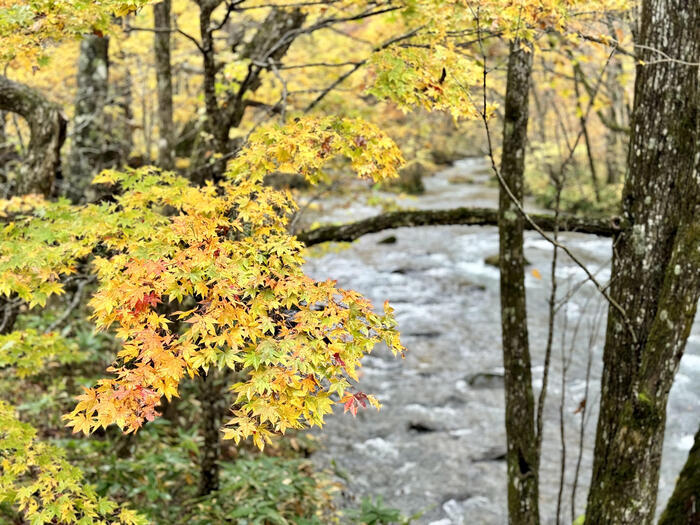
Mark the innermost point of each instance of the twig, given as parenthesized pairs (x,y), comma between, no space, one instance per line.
(552,315)
(75,302)
(358,65)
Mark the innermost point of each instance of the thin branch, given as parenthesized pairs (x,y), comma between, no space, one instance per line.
(285,91)
(166,30)
(357,66)
(286,6)
(552,315)
(75,302)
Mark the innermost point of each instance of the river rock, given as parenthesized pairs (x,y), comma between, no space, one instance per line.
(485,380)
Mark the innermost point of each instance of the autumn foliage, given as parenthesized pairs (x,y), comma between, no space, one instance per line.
(192,278)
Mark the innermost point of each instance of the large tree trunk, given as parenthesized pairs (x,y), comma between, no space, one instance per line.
(683,508)
(48,132)
(164,77)
(270,43)
(520,414)
(656,277)
(88,155)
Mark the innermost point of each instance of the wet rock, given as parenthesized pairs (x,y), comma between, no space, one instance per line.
(429,335)
(484,380)
(391,239)
(492,260)
(421,427)
(411,179)
(446,155)
(460,179)
(493,454)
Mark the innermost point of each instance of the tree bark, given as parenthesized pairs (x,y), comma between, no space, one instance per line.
(683,508)
(47,126)
(213,405)
(88,155)
(655,266)
(615,139)
(521,455)
(164,78)
(211,448)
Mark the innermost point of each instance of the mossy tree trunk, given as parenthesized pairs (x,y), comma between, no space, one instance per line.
(164,78)
(41,167)
(683,508)
(521,455)
(655,266)
(88,155)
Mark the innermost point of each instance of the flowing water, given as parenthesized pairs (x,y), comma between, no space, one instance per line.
(437,445)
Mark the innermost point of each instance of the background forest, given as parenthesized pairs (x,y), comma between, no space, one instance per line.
(191,191)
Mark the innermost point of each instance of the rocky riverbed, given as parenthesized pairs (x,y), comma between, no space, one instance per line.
(437,445)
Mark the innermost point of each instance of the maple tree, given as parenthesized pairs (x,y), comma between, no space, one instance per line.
(223,255)
(199,275)
(226,250)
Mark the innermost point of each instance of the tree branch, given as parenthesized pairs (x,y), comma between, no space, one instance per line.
(456,216)
(48,132)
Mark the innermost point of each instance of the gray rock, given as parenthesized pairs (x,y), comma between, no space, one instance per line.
(485,380)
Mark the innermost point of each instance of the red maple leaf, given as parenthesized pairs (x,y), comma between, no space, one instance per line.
(151,299)
(353,402)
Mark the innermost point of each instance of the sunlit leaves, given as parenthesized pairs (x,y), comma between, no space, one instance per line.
(27,352)
(440,62)
(194,278)
(26,27)
(438,79)
(306,145)
(37,480)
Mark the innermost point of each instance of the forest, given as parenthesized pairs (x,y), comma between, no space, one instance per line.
(363,262)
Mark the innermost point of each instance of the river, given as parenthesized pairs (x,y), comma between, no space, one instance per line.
(437,444)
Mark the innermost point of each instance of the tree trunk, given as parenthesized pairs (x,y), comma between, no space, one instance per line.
(520,417)
(211,411)
(615,139)
(48,132)
(270,43)
(684,506)
(164,77)
(655,266)
(88,156)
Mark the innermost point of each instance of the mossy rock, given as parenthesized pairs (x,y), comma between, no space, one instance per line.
(461,179)
(485,380)
(446,156)
(410,179)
